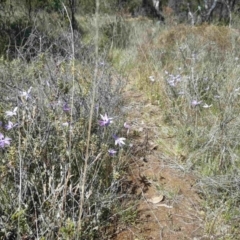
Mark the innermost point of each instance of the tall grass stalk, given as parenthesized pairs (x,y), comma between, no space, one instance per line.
(20,179)
(83,180)
(71,110)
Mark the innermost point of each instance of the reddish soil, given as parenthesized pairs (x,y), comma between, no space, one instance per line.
(178,215)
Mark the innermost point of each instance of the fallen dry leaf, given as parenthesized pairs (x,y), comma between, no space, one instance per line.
(156,199)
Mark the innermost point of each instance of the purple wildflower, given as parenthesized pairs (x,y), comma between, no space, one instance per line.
(4,141)
(10,125)
(152,79)
(105,120)
(26,94)
(178,78)
(11,113)
(172,83)
(206,106)
(195,103)
(66,108)
(65,124)
(119,140)
(127,127)
(112,152)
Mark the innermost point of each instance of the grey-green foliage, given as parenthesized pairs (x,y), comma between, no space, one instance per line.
(46,151)
(18,19)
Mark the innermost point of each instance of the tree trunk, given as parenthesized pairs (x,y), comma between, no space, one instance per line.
(150,10)
(72,6)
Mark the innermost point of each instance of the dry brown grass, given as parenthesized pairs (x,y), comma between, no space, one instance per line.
(204,34)
(207,59)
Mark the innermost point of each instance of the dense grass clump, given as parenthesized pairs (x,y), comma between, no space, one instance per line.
(62,158)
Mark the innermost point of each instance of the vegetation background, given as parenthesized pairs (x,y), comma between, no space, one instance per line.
(64,148)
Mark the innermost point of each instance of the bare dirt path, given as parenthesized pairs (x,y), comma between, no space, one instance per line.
(169,207)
